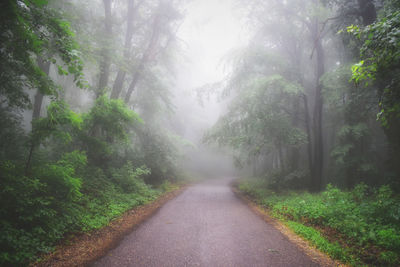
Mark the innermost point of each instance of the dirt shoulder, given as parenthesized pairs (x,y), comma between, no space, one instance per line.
(85,248)
(312,252)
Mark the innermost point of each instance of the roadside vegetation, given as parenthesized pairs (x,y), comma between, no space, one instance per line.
(74,154)
(313,111)
(359,226)
(88,128)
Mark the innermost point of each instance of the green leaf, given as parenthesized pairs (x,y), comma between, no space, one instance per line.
(40,3)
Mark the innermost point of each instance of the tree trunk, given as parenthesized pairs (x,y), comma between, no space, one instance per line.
(353,113)
(367,11)
(309,139)
(295,151)
(318,160)
(106,60)
(37,106)
(120,79)
(280,156)
(135,80)
(145,57)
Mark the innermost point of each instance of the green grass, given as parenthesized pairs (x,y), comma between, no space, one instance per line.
(314,236)
(38,212)
(364,222)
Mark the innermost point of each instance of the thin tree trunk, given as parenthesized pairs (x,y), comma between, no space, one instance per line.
(145,58)
(295,151)
(120,79)
(309,139)
(317,114)
(254,165)
(106,60)
(280,156)
(135,80)
(37,106)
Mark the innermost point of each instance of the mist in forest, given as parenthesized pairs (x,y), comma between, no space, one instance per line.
(210,31)
(108,103)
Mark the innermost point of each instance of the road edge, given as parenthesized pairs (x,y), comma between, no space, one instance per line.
(85,248)
(315,254)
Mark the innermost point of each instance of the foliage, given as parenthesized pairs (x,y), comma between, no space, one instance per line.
(332,249)
(128,178)
(31,30)
(74,171)
(66,191)
(38,210)
(258,118)
(160,152)
(362,218)
(11,135)
(379,57)
(60,122)
(112,116)
(106,125)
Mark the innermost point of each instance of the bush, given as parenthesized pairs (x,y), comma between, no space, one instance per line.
(365,216)
(79,176)
(36,211)
(129,179)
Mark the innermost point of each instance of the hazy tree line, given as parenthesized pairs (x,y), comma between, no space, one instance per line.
(85,91)
(314,97)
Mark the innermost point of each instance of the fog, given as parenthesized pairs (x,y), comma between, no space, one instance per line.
(204,88)
(211,30)
(107,105)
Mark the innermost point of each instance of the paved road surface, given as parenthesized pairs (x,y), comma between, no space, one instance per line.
(207,225)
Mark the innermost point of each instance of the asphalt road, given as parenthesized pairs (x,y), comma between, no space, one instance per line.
(207,225)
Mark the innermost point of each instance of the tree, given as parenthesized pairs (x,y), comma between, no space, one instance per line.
(36,35)
(105,54)
(299,24)
(379,54)
(162,20)
(259,122)
(120,79)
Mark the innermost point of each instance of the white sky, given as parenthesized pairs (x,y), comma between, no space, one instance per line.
(211,29)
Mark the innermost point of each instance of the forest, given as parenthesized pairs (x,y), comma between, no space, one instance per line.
(96,118)
(314,104)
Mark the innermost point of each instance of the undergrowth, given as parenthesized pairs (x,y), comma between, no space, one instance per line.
(76,172)
(37,212)
(361,226)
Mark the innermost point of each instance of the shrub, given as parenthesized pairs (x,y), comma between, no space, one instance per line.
(365,216)
(130,179)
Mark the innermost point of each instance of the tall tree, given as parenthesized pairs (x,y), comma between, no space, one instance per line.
(318,148)
(126,54)
(38,100)
(106,50)
(147,53)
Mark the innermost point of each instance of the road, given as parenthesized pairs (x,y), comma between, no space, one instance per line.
(207,225)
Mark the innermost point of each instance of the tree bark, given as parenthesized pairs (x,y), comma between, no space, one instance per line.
(120,79)
(367,11)
(37,106)
(318,159)
(353,113)
(309,139)
(295,151)
(145,57)
(106,60)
